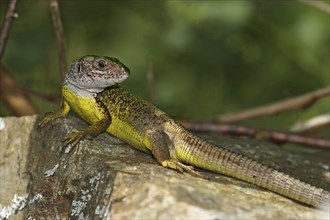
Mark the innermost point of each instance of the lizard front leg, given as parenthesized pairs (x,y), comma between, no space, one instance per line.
(51,116)
(161,149)
(96,128)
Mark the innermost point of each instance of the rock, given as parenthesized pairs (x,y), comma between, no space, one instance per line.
(14,149)
(105,178)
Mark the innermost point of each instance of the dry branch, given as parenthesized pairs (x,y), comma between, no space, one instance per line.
(6,25)
(320,5)
(17,102)
(59,33)
(150,81)
(275,136)
(299,102)
(312,125)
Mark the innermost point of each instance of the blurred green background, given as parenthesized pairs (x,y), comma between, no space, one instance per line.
(209,57)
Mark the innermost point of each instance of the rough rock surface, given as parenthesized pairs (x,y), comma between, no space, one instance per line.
(14,148)
(105,178)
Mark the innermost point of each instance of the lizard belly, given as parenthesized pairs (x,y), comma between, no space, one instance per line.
(128,134)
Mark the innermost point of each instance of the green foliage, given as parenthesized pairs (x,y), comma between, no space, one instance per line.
(209,57)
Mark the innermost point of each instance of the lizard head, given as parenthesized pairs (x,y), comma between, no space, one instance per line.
(95,73)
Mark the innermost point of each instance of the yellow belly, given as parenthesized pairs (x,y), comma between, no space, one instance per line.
(129,134)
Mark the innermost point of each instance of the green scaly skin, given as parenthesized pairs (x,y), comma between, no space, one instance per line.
(147,128)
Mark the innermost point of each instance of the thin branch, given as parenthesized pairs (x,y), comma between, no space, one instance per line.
(150,81)
(299,102)
(312,125)
(320,5)
(17,102)
(9,87)
(59,33)
(26,91)
(275,136)
(6,25)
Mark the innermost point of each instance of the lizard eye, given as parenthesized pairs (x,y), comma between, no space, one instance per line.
(101,64)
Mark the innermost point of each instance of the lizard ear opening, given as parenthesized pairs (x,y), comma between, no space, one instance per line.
(77,66)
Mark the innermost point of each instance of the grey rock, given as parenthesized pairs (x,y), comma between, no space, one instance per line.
(104,178)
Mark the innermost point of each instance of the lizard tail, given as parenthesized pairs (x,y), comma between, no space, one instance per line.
(200,153)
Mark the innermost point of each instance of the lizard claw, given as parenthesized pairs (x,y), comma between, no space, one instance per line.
(177,165)
(49,116)
(74,138)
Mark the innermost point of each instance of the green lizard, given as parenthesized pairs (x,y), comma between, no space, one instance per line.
(90,89)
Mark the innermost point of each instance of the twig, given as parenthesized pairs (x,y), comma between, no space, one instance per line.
(312,125)
(59,33)
(299,102)
(274,136)
(322,6)
(150,81)
(18,102)
(23,91)
(8,86)
(6,25)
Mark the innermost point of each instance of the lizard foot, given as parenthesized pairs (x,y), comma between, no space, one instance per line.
(49,117)
(74,137)
(177,165)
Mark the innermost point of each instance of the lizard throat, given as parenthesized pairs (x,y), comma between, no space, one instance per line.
(83,92)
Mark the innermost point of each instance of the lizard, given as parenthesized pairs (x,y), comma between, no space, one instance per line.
(91,90)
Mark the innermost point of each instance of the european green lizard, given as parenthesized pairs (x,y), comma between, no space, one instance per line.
(90,89)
